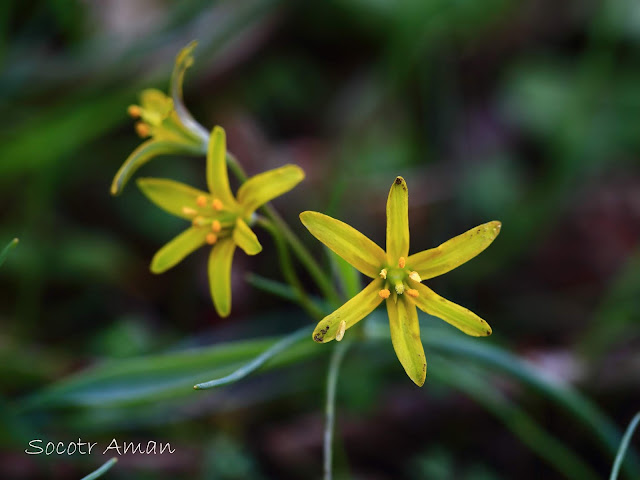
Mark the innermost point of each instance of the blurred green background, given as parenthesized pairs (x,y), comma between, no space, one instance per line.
(526,112)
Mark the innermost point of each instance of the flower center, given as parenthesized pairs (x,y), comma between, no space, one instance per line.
(211,216)
(397,280)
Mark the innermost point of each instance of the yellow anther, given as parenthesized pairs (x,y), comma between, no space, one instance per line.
(188,211)
(401,262)
(384,293)
(341,328)
(412,292)
(383,273)
(415,276)
(399,289)
(198,221)
(201,200)
(211,238)
(217,204)
(143,129)
(215,226)
(134,111)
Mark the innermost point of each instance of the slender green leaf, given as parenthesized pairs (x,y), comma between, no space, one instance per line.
(150,379)
(257,362)
(5,251)
(272,287)
(484,353)
(347,275)
(476,385)
(624,444)
(103,469)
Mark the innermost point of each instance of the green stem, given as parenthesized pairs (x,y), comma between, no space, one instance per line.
(323,282)
(304,256)
(330,408)
(236,168)
(289,271)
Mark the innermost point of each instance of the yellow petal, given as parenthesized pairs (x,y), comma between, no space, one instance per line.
(177,249)
(430,302)
(453,253)
(220,261)
(266,186)
(405,336)
(397,221)
(346,241)
(351,313)
(245,238)
(140,156)
(172,196)
(217,176)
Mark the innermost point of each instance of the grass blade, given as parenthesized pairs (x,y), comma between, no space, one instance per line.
(450,343)
(546,446)
(624,444)
(103,469)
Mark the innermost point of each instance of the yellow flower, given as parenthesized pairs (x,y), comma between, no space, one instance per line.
(397,278)
(217,217)
(165,120)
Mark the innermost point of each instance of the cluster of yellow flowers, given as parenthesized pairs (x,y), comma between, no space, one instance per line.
(222,220)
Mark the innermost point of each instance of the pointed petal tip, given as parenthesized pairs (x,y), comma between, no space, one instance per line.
(218,130)
(299,171)
(400,182)
(115,189)
(306,216)
(420,377)
(185,53)
(319,335)
(153,268)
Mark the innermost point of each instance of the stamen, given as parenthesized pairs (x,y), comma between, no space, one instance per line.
(201,200)
(215,226)
(143,129)
(217,204)
(383,273)
(198,221)
(412,292)
(134,111)
(341,329)
(415,276)
(399,288)
(384,293)
(188,211)
(401,262)
(211,238)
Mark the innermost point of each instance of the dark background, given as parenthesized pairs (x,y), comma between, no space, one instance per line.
(526,112)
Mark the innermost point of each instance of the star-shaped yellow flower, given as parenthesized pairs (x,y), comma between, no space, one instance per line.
(217,217)
(397,278)
(165,120)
